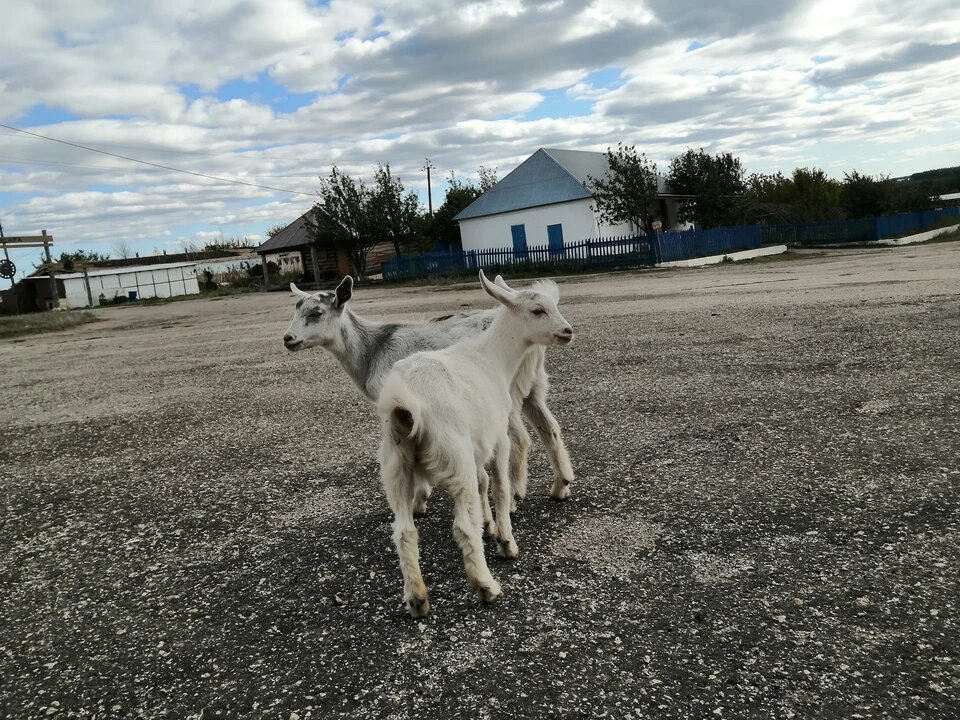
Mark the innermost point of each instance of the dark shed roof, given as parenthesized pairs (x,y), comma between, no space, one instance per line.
(293,237)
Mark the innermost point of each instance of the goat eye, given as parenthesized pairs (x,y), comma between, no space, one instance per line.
(539,312)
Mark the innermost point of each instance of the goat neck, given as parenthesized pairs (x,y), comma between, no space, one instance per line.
(354,348)
(505,343)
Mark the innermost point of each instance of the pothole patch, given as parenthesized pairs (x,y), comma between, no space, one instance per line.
(612,544)
(709,569)
(874,407)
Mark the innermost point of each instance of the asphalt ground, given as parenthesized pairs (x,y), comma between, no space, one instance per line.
(765,521)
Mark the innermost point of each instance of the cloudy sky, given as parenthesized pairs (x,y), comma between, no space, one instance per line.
(275,92)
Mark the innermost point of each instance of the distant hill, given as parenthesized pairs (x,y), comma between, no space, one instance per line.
(937,182)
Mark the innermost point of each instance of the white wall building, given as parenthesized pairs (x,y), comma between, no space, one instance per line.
(222,270)
(139,282)
(289,262)
(546,200)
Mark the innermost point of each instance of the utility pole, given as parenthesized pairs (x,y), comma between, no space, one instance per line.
(6,255)
(428,166)
(54,298)
(7,268)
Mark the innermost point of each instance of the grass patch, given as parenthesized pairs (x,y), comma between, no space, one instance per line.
(788,256)
(517,272)
(42,322)
(942,223)
(216,294)
(946,237)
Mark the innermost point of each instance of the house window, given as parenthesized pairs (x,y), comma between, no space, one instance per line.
(519,233)
(555,239)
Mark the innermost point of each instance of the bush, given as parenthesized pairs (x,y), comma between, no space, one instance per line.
(117,300)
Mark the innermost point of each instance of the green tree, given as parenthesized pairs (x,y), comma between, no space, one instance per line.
(808,195)
(769,199)
(393,214)
(871,196)
(70,260)
(913,196)
(274,230)
(460,194)
(716,183)
(864,196)
(816,195)
(488,178)
(628,190)
(342,219)
(232,243)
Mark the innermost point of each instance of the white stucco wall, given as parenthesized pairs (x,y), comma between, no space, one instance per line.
(146,281)
(577,219)
(76,293)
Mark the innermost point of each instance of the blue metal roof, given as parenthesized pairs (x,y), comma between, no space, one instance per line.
(547,177)
(538,180)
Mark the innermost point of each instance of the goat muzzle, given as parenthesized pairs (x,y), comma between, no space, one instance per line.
(291,343)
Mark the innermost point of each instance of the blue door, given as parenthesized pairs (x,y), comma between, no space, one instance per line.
(519,233)
(555,238)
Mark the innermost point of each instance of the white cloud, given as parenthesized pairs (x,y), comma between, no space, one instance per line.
(840,85)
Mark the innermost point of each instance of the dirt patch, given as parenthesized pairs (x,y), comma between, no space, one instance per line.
(610,544)
(764,523)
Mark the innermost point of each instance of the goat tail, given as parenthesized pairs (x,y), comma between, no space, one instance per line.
(402,410)
(404,423)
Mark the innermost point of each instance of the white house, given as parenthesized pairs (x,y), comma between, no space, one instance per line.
(77,290)
(546,200)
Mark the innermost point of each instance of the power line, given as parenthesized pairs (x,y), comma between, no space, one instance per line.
(150,148)
(54,163)
(157,165)
(18,162)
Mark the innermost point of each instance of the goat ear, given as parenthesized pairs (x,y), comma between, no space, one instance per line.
(344,291)
(507,298)
(297,291)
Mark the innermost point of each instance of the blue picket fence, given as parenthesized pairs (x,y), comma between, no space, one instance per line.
(649,250)
(861,230)
(893,226)
(688,244)
(599,253)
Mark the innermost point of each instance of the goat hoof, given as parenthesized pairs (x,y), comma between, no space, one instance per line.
(514,504)
(489,592)
(561,491)
(490,529)
(421,511)
(508,550)
(418,607)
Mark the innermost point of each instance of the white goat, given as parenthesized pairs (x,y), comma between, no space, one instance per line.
(445,416)
(367,350)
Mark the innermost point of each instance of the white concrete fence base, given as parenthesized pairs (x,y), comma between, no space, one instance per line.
(778,249)
(735,256)
(919,237)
